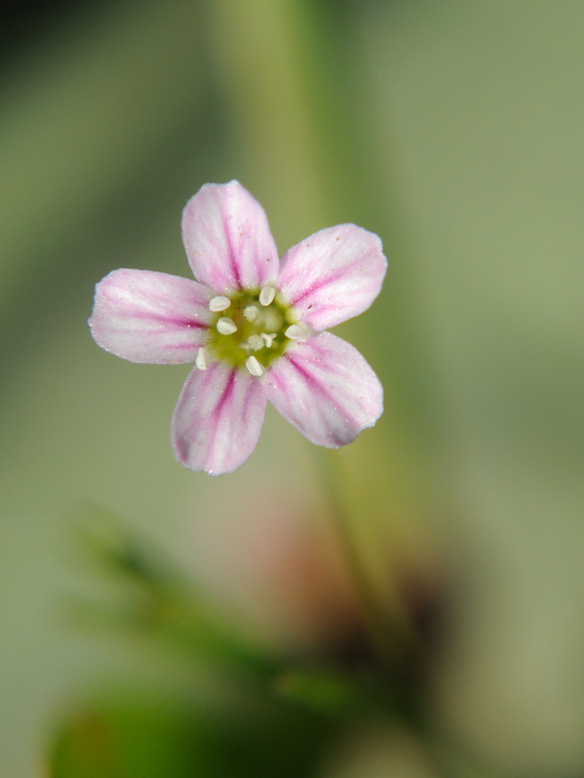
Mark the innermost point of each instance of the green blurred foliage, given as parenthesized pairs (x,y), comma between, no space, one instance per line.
(150,738)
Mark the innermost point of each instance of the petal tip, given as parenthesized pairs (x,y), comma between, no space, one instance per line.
(327,390)
(227,238)
(217,420)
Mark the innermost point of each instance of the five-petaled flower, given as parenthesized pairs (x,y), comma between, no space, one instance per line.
(253,325)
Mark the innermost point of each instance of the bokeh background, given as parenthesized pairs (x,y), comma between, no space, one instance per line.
(455,131)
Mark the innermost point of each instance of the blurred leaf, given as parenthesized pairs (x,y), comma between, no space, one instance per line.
(140,736)
(157,600)
(321,689)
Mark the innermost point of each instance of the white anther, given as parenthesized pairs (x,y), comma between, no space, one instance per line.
(254,367)
(267,295)
(268,338)
(220,303)
(255,342)
(251,312)
(296,332)
(226,326)
(201,360)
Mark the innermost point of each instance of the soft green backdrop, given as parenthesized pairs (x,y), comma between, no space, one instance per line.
(455,131)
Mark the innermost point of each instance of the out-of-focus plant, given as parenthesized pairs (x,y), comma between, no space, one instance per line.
(287,704)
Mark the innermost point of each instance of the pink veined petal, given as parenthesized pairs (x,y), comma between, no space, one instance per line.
(326,389)
(228,240)
(333,275)
(145,316)
(218,419)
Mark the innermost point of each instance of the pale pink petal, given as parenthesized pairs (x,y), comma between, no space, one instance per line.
(326,389)
(333,275)
(218,419)
(228,240)
(146,316)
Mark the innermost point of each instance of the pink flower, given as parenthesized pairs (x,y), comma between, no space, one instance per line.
(253,325)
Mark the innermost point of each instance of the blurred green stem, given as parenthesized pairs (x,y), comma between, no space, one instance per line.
(389,633)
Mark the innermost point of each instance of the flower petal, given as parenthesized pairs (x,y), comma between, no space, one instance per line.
(218,419)
(146,316)
(326,389)
(228,240)
(333,275)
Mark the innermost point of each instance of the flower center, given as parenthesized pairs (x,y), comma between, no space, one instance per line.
(251,330)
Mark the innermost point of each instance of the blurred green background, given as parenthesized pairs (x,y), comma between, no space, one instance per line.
(455,131)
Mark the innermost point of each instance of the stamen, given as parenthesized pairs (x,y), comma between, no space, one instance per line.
(251,312)
(201,360)
(268,338)
(296,332)
(267,295)
(220,303)
(255,342)
(254,367)
(226,326)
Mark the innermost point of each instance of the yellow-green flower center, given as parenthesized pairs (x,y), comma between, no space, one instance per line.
(251,329)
